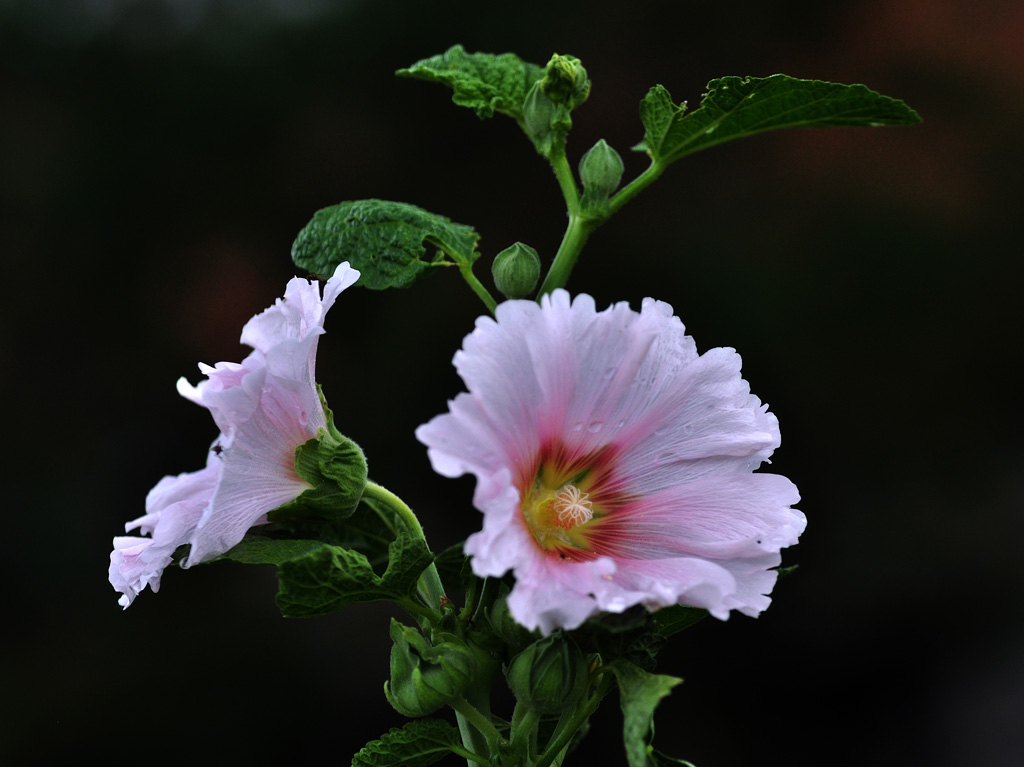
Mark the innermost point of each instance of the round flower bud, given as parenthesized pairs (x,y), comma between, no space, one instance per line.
(601,170)
(516,271)
(425,676)
(565,81)
(549,676)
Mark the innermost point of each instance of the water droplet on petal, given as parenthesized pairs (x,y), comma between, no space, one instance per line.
(578,426)
(595,427)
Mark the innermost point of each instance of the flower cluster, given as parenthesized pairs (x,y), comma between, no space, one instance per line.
(265,407)
(614,464)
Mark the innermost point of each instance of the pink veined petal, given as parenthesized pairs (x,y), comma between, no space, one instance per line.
(672,434)
(257,465)
(718,517)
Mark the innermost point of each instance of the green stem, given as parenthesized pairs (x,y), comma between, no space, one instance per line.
(634,187)
(466,712)
(565,180)
(565,259)
(470,757)
(466,269)
(523,733)
(429,586)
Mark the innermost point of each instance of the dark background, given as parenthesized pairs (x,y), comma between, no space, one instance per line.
(158,158)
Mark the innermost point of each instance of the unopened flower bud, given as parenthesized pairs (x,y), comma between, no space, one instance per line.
(565,81)
(546,122)
(601,170)
(516,271)
(426,676)
(550,675)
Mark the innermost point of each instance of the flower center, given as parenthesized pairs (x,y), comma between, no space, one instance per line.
(572,507)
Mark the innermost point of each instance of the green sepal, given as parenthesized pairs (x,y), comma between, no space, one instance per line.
(734,107)
(426,675)
(484,82)
(331,577)
(335,467)
(386,241)
(418,744)
(639,694)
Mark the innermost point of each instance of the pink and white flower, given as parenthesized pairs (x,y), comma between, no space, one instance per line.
(614,464)
(265,407)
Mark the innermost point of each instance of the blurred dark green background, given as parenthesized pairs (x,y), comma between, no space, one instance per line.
(156,161)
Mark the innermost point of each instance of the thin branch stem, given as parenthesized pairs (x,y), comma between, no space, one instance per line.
(466,269)
(634,187)
(430,588)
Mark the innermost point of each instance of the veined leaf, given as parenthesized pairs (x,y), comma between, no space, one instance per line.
(420,743)
(734,107)
(386,241)
(331,577)
(484,82)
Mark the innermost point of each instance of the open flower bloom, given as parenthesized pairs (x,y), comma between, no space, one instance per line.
(265,408)
(614,464)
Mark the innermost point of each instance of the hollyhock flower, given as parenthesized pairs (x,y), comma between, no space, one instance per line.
(265,407)
(614,464)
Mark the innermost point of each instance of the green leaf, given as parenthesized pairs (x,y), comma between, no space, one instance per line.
(331,577)
(639,694)
(672,620)
(418,744)
(386,241)
(734,107)
(484,82)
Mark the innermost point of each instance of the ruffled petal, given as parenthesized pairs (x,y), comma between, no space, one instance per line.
(674,436)
(173,509)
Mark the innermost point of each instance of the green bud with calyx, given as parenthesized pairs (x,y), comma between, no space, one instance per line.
(516,271)
(335,467)
(549,676)
(545,121)
(600,171)
(565,81)
(426,675)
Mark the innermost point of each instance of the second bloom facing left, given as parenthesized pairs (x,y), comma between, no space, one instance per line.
(265,407)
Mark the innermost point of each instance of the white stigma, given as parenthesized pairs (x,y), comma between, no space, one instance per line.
(572,507)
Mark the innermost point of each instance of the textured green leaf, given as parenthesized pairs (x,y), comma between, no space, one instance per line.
(386,241)
(639,694)
(420,743)
(331,577)
(263,550)
(734,107)
(672,620)
(484,82)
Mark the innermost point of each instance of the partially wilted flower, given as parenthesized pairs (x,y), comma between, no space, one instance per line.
(265,407)
(614,464)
